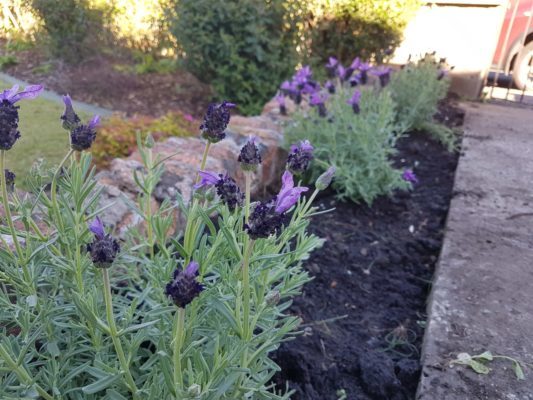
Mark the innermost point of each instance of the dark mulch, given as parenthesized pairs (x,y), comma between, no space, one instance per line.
(102,80)
(374,273)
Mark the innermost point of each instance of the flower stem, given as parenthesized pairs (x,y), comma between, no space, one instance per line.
(179,335)
(204,160)
(114,334)
(22,374)
(248,184)
(53,188)
(148,205)
(7,210)
(246,291)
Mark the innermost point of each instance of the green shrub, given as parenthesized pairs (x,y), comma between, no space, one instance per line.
(243,47)
(358,145)
(417,90)
(117,136)
(347,27)
(72,26)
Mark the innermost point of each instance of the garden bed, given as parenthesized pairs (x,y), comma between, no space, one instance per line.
(151,93)
(363,315)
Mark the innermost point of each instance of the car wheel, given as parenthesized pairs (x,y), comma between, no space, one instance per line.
(523,68)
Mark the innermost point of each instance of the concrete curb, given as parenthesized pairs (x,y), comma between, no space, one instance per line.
(53,96)
(481,297)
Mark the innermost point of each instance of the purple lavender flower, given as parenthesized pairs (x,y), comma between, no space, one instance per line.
(331,66)
(383,73)
(300,157)
(216,121)
(267,218)
(356,63)
(409,176)
(104,248)
(364,68)
(319,100)
(70,119)
(10,180)
(330,87)
(281,103)
(304,74)
(183,288)
(226,187)
(324,180)
(288,195)
(249,156)
(354,101)
(355,80)
(83,136)
(9,115)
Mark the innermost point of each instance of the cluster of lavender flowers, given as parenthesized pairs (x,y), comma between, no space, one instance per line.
(302,86)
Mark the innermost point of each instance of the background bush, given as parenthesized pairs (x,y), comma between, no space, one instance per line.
(416,90)
(346,27)
(360,145)
(243,47)
(74,28)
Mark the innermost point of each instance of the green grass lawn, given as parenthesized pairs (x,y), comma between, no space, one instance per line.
(42,136)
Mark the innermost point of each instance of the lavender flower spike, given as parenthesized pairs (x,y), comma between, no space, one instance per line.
(354,101)
(249,156)
(9,115)
(82,136)
(288,195)
(227,188)
(104,248)
(383,73)
(319,100)
(183,288)
(300,157)
(409,176)
(331,66)
(70,119)
(330,87)
(280,99)
(216,121)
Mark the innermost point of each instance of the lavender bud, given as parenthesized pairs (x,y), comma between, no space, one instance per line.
(300,157)
(104,248)
(70,119)
(324,180)
(10,180)
(216,121)
(249,156)
(183,287)
(272,298)
(149,142)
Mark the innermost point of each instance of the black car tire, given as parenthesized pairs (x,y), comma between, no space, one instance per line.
(523,68)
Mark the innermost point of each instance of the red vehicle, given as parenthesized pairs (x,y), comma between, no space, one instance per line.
(514,53)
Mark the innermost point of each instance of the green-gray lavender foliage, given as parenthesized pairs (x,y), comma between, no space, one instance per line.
(417,89)
(67,334)
(359,145)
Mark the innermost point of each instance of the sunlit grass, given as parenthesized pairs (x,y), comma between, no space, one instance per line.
(42,136)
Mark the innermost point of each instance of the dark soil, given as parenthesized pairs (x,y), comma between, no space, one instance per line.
(364,312)
(104,80)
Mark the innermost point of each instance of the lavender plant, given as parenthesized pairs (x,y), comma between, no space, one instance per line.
(353,129)
(155,314)
(417,89)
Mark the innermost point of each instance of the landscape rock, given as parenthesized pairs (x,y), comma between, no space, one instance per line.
(182,158)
